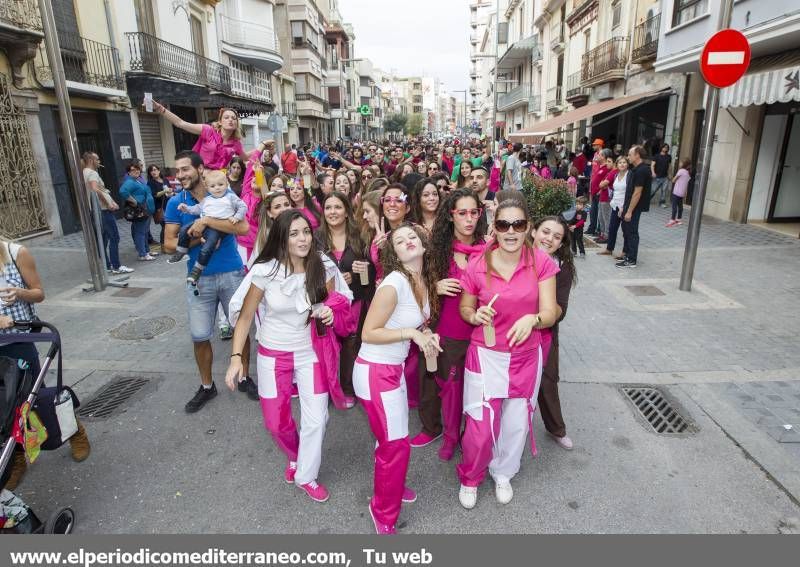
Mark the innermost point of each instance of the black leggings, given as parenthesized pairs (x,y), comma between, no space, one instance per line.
(677,207)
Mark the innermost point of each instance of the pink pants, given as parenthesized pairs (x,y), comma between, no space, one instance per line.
(276,372)
(496,425)
(382,391)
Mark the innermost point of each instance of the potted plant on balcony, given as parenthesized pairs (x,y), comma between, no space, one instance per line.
(546,197)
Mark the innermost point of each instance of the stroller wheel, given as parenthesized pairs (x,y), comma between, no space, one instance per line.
(60,522)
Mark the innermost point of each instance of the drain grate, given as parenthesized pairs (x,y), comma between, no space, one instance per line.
(657,410)
(644,290)
(143,329)
(109,399)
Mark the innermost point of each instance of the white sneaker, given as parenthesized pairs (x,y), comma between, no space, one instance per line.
(122,270)
(468,496)
(503,491)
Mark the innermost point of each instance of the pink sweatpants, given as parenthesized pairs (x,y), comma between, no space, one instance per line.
(382,391)
(276,372)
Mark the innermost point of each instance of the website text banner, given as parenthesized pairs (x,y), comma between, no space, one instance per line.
(365,551)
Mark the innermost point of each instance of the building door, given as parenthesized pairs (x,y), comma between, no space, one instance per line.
(785,205)
(184,140)
(21,207)
(699,117)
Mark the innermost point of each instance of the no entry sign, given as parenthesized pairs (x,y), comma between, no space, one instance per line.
(725,58)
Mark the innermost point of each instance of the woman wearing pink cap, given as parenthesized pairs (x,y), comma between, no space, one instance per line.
(401,307)
(457,236)
(509,295)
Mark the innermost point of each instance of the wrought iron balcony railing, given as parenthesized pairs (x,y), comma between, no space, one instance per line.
(517,95)
(574,88)
(553,98)
(608,58)
(153,55)
(85,61)
(645,39)
(556,33)
(22,14)
(535,104)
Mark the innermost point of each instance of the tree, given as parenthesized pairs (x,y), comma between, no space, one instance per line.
(395,122)
(414,124)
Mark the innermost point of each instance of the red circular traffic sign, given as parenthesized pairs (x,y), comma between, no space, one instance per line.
(725,58)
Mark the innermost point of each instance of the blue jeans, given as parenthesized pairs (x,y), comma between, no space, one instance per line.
(110,239)
(660,188)
(594,213)
(630,230)
(211,237)
(212,290)
(139,230)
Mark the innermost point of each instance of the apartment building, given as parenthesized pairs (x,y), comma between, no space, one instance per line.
(755,167)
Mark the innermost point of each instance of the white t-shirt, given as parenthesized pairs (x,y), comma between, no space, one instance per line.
(620,186)
(405,315)
(284,326)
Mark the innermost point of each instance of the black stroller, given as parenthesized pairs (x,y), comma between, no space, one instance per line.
(17,386)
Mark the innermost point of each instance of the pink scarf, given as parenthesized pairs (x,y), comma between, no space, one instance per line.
(468,249)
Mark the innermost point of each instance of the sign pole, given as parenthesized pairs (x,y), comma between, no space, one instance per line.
(707,141)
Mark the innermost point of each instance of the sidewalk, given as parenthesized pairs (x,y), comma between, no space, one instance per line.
(155,469)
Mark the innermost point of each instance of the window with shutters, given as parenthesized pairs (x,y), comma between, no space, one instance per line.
(616,14)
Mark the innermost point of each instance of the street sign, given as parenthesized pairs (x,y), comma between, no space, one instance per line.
(725,58)
(275,123)
(364,110)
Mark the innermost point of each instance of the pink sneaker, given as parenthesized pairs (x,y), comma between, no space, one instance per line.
(447,450)
(349,402)
(423,439)
(671,223)
(316,491)
(289,471)
(295,391)
(409,495)
(381,529)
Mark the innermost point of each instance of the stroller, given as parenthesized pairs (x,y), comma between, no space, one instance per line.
(18,385)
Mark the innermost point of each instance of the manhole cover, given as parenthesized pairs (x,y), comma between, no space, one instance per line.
(137,329)
(109,399)
(644,290)
(657,410)
(131,292)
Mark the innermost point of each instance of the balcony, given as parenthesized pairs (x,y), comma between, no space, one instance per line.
(515,97)
(473,38)
(20,34)
(535,104)
(89,66)
(250,83)
(309,104)
(473,74)
(554,101)
(645,39)
(289,110)
(519,53)
(252,43)
(158,57)
(537,54)
(557,36)
(577,95)
(605,63)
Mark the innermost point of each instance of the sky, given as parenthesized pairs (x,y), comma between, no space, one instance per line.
(413,37)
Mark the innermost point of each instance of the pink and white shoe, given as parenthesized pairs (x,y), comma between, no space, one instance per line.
(316,491)
(563,442)
(422,439)
(289,472)
(409,495)
(671,223)
(678,222)
(381,529)
(447,450)
(295,391)
(349,402)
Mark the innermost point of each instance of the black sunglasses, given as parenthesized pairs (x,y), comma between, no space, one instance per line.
(519,225)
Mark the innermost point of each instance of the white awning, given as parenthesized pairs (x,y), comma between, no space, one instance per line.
(769,87)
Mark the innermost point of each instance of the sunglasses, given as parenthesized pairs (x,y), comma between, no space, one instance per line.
(519,225)
(394,200)
(463,213)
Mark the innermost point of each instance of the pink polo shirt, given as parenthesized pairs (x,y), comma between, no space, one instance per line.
(215,152)
(517,297)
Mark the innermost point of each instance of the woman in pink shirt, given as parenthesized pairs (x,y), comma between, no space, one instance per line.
(302,200)
(501,377)
(218,142)
(457,236)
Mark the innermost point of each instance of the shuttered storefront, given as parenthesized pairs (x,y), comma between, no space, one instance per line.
(151,140)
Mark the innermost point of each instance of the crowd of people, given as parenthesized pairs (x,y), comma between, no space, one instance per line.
(390,276)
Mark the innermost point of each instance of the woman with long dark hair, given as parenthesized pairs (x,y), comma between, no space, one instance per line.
(458,234)
(303,201)
(161,194)
(509,296)
(296,287)
(339,238)
(403,303)
(235,174)
(425,203)
(551,235)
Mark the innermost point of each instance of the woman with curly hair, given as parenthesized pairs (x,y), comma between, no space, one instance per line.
(509,296)
(403,303)
(425,201)
(458,235)
(339,239)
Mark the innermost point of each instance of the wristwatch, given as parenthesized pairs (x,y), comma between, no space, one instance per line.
(538,321)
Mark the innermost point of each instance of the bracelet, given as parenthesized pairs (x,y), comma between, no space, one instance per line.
(239,354)
(402,338)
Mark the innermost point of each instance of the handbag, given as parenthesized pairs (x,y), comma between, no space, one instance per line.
(134,212)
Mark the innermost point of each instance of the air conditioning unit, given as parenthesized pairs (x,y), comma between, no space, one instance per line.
(603,92)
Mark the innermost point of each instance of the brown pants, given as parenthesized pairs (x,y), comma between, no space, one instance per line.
(347,357)
(548,400)
(442,392)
